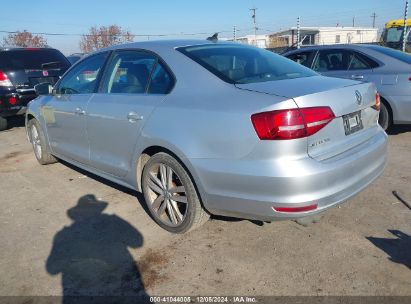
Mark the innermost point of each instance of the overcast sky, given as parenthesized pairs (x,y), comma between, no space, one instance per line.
(181,18)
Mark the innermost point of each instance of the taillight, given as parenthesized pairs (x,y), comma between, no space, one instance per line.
(12,100)
(377,105)
(4,80)
(291,123)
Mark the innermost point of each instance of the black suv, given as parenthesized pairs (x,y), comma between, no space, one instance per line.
(20,70)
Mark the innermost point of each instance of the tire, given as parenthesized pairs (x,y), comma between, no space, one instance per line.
(3,123)
(384,119)
(178,210)
(38,141)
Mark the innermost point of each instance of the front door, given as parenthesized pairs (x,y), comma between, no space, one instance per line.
(65,112)
(133,85)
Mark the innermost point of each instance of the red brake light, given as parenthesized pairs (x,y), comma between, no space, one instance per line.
(291,123)
(377,105)
(4,80)
(3,76)
(12,100)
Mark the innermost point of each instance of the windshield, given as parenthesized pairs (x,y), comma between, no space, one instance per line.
(32,59)
(241,64)
(393,34)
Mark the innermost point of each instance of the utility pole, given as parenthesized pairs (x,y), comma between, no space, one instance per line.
(298,32)
(353,21)
(255,24)
(234,33)
(373,16)
(404,39)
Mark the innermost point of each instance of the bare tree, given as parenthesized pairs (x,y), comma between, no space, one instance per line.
(24,39)
(104,36)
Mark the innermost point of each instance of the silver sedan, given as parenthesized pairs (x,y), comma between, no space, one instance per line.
(206,128)
(388,69)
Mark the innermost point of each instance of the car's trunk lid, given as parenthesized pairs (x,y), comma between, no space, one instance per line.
(356,121)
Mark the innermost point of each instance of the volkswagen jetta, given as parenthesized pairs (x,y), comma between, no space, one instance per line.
(205,127)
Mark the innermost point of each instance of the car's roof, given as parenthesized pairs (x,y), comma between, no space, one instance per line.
(11,48)
(166,44)
(334,46)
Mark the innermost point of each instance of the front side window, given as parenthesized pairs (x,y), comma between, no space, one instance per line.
(82,78)
(332,60)
(241,64)
(128,72)
(303,58)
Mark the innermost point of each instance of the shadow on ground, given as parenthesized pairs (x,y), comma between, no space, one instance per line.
(92,256)
(399,129)
(398,249)
(15,122)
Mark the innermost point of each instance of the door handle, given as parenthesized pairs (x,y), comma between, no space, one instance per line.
(133,117)
(357,77)
(80,111)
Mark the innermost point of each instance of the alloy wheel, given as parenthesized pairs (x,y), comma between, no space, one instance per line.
(167,195)
(35,140)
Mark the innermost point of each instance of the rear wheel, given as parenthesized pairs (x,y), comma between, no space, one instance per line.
(171,196)
(385,117)
(38,141)
(3,123)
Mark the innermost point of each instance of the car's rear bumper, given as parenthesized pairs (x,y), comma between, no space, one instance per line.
(251,188)
(17,108)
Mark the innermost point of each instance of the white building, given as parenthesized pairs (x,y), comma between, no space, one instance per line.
(329,35)
(261,41)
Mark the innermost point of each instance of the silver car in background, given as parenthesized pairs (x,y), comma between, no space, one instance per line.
(388,69)
(206,128)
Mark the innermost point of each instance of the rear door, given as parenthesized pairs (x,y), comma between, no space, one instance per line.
(134,84)
(66,110)
(344,64)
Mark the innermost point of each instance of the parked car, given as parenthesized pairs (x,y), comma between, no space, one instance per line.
(205,127)
(20,70)
(73,58)
(388,69)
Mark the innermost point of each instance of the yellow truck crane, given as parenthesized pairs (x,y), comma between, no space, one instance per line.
(393,34)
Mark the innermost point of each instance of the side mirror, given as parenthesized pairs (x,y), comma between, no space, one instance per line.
(43,88)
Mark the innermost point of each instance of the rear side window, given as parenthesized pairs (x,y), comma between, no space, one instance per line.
(332,60)
(404,57)
(32,59)
(128,72)
(360,62)
(161,81)
(244,64)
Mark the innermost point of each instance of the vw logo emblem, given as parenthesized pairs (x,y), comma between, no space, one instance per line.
(359,97)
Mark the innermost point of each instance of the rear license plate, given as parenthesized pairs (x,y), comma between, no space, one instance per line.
(352,122)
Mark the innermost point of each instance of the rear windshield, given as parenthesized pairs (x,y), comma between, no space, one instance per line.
(244,64)
(404,57)
(32,59)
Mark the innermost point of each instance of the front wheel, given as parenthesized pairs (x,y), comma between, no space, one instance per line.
(38,141)
(171,196)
